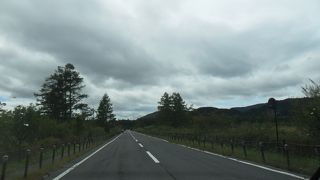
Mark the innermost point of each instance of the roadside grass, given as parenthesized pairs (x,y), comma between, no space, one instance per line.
(57,165)
(15,168)
(303,165)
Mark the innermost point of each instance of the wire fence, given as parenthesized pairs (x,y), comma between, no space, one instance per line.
(21,163)
(302,158)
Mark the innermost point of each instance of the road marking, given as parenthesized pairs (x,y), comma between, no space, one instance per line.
(152,157)
(140,145)
(232,159)
(134,138)
(158,138)
(153,137)
(247,163)
(83,160)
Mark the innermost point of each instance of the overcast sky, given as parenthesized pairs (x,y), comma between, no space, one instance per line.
(222,53)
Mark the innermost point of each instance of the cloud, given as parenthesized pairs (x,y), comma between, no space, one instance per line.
(215,53)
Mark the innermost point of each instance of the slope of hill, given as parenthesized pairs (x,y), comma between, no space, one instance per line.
(285,110)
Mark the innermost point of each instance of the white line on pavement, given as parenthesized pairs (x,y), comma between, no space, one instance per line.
(233,159)
(83,160)
(134,138)
(153,137)
(152,157)
(247,163)
(140,145)
(158,138)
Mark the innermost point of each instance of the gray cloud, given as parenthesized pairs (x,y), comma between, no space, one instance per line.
(214,53)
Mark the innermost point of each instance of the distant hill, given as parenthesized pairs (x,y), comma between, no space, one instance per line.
(247,108)
(259,112)
(149,116)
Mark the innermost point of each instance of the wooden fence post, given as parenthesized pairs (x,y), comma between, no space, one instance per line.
(211,143)
(41,157)
(285,147)
(262,151)
(69,149)
(221,145)
(26,167)
(4,166)
(62,151)
(244,148)
(232,146)
(53,153)
(74,147)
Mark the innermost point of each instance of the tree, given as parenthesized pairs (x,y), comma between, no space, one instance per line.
(312,91)
(61,93)
(165,108)
(105,112)
(179,109)
(25,127)
(172,109)
(81,117)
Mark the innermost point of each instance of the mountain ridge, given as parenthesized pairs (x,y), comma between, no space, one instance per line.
(284,109)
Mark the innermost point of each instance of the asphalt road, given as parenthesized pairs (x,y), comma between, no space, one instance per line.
(135,156)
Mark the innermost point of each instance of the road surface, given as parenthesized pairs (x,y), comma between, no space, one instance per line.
(136,156)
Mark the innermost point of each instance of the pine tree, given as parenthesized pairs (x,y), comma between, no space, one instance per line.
(165,108)
(179,109)
(178,104)
(172,109)
(105,112)
(61,93)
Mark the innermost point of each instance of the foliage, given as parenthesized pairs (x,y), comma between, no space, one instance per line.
(172,109)
(60,116)
(311,90)
(312,113)
(61,93)
(165,108)
(25,126)
(105,112)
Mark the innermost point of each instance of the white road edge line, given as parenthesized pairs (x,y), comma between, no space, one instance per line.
(237,160)
(83,160)
(153,137)
(152,157)
(247,163)
(140,145)
(158,138)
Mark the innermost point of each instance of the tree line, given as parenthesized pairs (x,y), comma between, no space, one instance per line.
(298,118)
(59,114)
(61,98)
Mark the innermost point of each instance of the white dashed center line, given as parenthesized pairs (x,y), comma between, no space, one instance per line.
(152,157)
(133,137)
